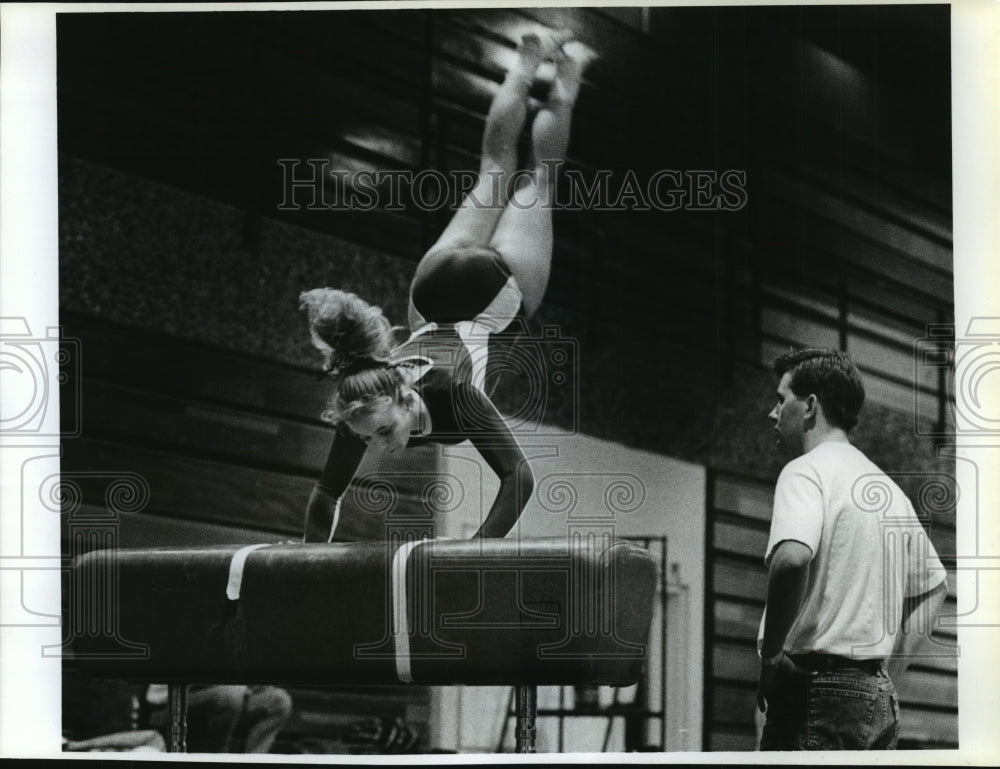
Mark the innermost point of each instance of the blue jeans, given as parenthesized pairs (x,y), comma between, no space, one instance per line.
(847,708)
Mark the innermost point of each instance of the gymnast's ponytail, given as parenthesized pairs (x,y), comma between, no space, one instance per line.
(356,340)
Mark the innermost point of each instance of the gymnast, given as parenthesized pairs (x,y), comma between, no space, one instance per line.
(475,286)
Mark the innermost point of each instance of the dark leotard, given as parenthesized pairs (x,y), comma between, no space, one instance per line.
(462,304)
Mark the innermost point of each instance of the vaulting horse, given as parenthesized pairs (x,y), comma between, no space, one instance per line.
(518,612)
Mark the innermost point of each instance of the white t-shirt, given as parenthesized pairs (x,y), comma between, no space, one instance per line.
(869,551)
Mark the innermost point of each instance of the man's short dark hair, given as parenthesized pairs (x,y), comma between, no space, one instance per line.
(831,376)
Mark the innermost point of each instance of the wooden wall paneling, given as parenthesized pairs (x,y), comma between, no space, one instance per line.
(464,88)
(152,421)
(739,579)
(942,659)
(734,705)
(928,688)
(873,189)
(927,728)
(142,530)
(737,619)
(195,489)
(740,539)
(790,330)
(634,18)
(744,497)
(826,237)
(885,322)
(472,48)
(381,48)
(890,359)
(205,429)
(152,360)
(916,245)
(735,663)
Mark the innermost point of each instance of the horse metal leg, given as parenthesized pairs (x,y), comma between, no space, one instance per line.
(177,702)
(526,709)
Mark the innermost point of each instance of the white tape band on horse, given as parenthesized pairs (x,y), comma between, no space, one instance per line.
(236,570)
(336,518)
(400,616)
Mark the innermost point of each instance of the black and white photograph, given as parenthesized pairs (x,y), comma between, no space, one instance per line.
(707,468)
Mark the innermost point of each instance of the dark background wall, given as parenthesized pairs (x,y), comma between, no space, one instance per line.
(172,243)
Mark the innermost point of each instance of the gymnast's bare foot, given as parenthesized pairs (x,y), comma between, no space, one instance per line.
(538,48)
(531,53)
(569,70)
(556,41)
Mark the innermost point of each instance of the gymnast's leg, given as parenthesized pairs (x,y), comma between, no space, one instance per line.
(476,219)
(266,710)
(523,235)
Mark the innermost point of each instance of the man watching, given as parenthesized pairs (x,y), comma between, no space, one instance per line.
(845,583)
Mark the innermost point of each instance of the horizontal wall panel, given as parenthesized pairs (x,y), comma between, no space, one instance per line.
(796,330)
(827,239)
(873,298)
(928,726)
(631,17)
(735,663)
(907,240)
(146,360)
(162,421)
(353,37)
(141,530)
(886,392)
(737,620)
(889,360)
(871,192)
(733,538)
(210,432)
(750,498)
(733,705)
(816,301)
(186,487)
(941,656)
(738,579)
(928,689)
(884,324)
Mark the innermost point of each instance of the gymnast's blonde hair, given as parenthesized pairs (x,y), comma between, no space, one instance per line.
(357,343)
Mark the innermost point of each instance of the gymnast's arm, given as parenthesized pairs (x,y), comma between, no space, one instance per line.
(342,463)
(498,446)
